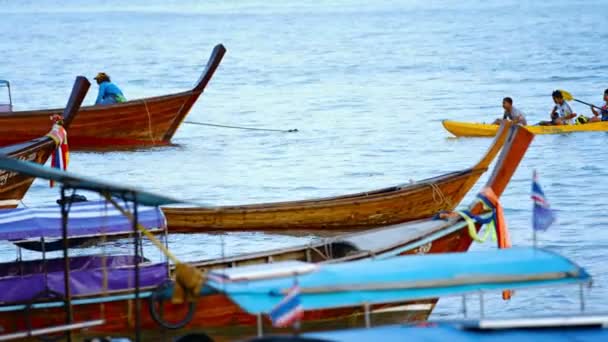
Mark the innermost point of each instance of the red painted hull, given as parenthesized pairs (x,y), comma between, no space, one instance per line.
(221,319)
(139,123)
(216,316)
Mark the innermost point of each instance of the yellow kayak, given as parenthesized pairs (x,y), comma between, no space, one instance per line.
(471,129)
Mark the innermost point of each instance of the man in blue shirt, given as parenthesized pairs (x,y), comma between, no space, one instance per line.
(109,93)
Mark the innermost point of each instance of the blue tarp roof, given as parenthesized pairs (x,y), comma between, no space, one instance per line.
(85,219)
(405,278)
(452,333)
(84,183)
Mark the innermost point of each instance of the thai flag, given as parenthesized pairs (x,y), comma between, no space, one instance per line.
(542,214)
(288,310)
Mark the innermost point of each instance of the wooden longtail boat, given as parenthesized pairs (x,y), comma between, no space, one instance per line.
(396,204)
(220,317)
(14,186)
(143,122)
(258,290)
(471,129)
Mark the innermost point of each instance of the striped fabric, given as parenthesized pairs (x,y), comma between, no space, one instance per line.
(289,310)
(84,219)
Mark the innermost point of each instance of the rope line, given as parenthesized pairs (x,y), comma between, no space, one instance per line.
(141,228)
(241,127)
(439,197)
(149,123)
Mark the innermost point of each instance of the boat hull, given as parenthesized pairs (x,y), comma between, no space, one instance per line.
(397,204)
(138,123)
(360,211)
(215,316)
(470,129)
(221,319)
(13,186)
(147,122)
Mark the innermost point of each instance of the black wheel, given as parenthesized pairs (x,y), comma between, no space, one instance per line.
(155,302)
(44,295)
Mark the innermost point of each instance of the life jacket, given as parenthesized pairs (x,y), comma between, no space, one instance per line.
(604,112)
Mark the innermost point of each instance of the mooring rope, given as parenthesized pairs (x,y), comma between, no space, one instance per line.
(439,197)
(149,123)
(241,127)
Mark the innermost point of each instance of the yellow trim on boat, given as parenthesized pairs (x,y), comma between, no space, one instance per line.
(471,129)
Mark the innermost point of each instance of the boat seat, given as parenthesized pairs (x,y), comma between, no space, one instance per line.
(263,271)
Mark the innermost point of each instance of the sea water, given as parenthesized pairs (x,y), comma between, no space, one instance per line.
(366,83)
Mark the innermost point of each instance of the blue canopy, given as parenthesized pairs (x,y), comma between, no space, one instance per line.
(85,219)
(455,333)
(78,182)
(397,279)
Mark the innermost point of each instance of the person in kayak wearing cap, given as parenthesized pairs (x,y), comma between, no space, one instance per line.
(511,113)
(109,93)
(601,114)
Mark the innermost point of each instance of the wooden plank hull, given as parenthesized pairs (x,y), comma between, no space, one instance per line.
(144,122)
(364,210)
(130,124)
(13,186)
(221,319)
(216,316)
(408,204)
(471,129)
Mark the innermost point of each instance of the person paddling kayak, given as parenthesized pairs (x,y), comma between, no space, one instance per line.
(602,113)
(562,113)
(511,113)
(109,93)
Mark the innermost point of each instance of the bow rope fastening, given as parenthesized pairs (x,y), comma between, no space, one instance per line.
(496,225)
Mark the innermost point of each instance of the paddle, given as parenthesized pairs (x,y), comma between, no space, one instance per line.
(568,97)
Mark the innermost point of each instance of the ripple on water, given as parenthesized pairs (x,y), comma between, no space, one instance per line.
(367,98)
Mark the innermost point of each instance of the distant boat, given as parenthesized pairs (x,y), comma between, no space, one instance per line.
(13,186)
(472,129)
(143,122)
(401,203)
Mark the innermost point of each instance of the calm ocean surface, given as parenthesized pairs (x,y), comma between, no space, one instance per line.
(366,83)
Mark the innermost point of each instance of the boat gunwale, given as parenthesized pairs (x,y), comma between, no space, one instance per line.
(365,196)
(360,197)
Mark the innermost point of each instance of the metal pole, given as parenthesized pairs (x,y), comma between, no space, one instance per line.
(44,263)
(66,259)
(136,240)
(260,331)
(20,258)
(534,242)
(368,321)
(480,304)
(464,306)
(581,298)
